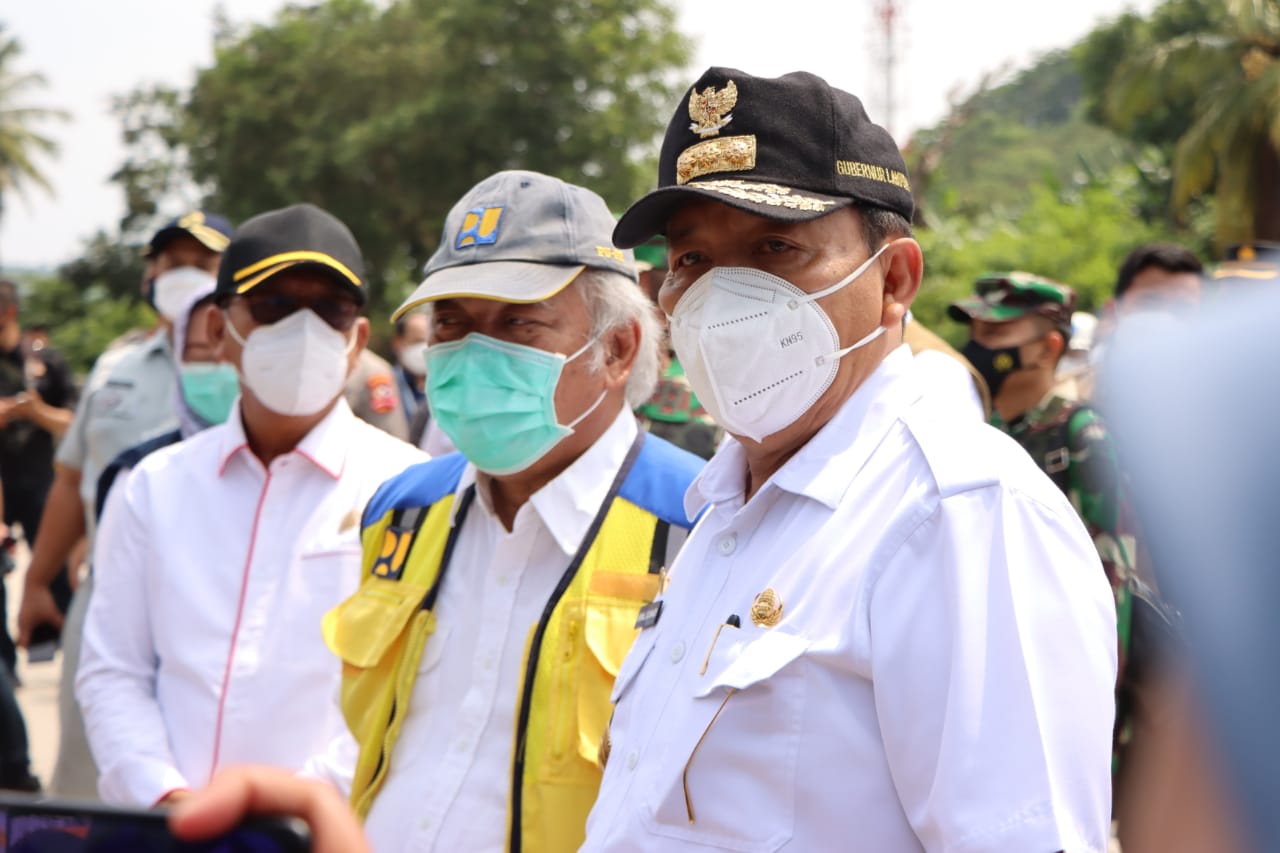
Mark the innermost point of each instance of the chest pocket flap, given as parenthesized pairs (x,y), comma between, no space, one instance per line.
(361,629)
(751,660)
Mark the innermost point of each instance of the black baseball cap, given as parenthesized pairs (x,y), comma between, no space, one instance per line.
(791,148)
(211,230)
(1249,262)
(299,235)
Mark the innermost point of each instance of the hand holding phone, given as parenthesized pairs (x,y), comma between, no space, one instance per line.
(241,791)
(44,642)
(31,825)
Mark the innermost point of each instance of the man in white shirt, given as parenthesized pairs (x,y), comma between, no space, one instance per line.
(217,557)
(503,584)
(889,631)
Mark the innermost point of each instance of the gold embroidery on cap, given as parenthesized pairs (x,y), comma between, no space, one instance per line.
(770,194)
(710,108)
(854,169)
(610,252)
(728,154)
(766,610)
(1245,253)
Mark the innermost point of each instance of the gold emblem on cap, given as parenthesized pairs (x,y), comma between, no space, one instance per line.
(766,610)
(1245,253)
(710,108)
(726,154)
(191,220)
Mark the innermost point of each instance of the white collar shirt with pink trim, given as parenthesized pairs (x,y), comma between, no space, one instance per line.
(202,645)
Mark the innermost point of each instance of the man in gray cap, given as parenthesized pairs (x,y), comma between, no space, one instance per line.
(502,584)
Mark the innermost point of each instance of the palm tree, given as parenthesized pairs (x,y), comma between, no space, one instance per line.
(1231,143)
(21,145)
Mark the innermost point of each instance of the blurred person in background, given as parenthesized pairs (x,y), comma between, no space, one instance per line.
(127,397)
(410,347)
(372,394)
(37,396)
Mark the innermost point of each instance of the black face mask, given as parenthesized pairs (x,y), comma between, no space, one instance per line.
(994,365)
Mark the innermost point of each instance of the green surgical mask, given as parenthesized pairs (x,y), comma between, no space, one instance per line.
(210,389)
(496,400)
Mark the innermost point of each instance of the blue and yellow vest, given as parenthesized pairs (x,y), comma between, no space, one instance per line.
(571,656)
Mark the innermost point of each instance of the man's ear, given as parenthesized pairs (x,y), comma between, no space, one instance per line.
(621,346)
(216,328)
(903,266)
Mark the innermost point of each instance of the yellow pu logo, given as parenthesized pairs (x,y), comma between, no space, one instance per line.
(479,227)
(395,548)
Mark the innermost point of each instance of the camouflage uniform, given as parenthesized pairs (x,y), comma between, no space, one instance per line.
(674,413)
(1068,440)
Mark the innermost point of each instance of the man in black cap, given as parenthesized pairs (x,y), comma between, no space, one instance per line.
(127,397)
(218,556)
(888,630)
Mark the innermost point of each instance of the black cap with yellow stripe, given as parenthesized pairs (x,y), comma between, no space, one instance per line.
(277,240)
(211,230)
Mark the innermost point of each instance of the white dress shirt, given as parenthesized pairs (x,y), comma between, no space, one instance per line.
(943,376)
(202,646)
(449,783)
(941,675)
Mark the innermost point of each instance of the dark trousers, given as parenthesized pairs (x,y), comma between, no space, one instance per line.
(15,760)
(24,504)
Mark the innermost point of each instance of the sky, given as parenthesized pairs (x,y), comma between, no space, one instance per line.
(91,50)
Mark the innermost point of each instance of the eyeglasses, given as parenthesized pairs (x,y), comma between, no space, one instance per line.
(269,308)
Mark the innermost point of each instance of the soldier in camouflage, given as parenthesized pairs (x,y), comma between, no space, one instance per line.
(1020,325)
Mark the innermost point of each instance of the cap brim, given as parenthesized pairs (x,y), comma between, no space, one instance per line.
(648,216)
(503,281)
(968,310)
(210,238)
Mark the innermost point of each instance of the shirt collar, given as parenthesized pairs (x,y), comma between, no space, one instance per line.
(824,468)
(568,504)
(325,446)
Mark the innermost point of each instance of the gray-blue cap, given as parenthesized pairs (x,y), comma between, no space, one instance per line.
(520,237)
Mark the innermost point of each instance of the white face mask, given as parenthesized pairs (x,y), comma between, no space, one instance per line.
(174,289)
(413,358)
(296,366)
(757,350)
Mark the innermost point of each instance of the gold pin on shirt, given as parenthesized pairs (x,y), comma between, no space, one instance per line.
(766,609)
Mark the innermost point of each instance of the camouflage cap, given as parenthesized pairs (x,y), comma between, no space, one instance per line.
(1001,297)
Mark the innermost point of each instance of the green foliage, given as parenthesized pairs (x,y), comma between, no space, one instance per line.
(385,114)
(1077,236)
(21,145)
(1199,80)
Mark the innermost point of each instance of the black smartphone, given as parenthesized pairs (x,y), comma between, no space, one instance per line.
(33,825)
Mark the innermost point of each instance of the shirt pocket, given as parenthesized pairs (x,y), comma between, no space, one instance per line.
(362,629)
(596,636)
(736,748)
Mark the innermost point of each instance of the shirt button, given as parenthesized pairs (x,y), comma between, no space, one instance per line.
(632,760)
(677,653)
(503,580)
(487,662)
(729,544)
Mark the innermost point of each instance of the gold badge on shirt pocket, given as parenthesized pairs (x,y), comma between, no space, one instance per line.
(766,609)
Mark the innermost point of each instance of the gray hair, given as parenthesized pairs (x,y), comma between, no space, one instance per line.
(614,300)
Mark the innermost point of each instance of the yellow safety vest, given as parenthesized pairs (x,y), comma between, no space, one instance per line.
(571,656)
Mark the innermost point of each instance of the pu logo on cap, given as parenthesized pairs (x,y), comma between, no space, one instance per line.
(479,227)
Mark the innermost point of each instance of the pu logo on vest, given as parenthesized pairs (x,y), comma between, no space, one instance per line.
(793,338)
(395,547)
(479,227)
